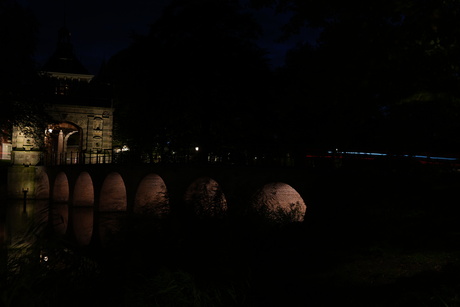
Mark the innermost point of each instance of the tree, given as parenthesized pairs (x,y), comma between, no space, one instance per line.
(18,78)
(193,81)
(372,59)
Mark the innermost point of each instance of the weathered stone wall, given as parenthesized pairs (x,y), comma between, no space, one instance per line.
(96,124)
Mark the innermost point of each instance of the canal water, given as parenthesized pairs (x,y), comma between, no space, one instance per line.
(22,221)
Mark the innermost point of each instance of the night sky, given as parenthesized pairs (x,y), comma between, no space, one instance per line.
(102,28)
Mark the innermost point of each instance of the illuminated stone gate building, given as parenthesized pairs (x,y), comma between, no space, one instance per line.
(81,124)
(81,112)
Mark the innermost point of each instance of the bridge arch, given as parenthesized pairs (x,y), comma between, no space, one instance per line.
(279,202)
(152,196)
(113,193)
(205,198)
(95,199)
(83,194)
(61,188)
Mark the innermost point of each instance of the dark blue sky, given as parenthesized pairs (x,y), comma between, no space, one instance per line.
(102,28)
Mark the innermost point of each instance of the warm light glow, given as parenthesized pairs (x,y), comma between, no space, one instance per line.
(197,148)
(113,194)
(83,190)
(280,203)
(151,196)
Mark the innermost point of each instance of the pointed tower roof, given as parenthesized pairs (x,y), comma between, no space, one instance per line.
(64,59)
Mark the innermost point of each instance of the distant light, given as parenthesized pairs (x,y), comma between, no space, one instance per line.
(405,155)
(443,158)
(197,148)
(50,130)
(125,148)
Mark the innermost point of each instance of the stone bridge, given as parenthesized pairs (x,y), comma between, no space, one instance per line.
(78,193)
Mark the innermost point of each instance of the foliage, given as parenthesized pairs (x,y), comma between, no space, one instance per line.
(207,199)
(19,83)
(192,81)
(368,58)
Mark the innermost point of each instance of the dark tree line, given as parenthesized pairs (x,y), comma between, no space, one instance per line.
(19,83)
(383,75)
(197,79)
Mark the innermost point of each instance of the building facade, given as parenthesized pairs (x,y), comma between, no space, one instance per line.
(80,130)
(80,124)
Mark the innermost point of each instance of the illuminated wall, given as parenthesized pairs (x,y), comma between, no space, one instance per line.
(96,124)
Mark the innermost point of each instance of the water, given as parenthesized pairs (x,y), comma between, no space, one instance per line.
(22,222)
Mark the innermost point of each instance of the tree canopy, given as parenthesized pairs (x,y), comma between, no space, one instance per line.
(193,81)
(18,76)
(382,74)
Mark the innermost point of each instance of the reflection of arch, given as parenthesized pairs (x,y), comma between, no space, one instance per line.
(84,191)
(82,220)
(151,196)
(59,218)
(61,188)
(42,188)
(113,194)
(206,198)
(280,203)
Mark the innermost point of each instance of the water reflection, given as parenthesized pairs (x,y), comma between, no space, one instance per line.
(83,221)
(23,220)
(60,218)
(109,226)
(21,223)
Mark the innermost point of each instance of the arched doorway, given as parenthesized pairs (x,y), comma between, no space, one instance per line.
(63,143)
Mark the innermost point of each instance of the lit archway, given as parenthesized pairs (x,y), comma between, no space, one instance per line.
(84,190)
(63,143)
(61,188)
(280,203)
(113,194)
(206,198)
(151,197)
